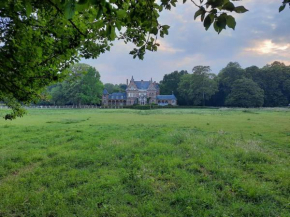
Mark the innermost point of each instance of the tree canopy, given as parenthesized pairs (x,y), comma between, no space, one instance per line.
(199,86)
(81,87)
(245,93)
(234,86)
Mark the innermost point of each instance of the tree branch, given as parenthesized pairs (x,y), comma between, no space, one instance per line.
(71,22)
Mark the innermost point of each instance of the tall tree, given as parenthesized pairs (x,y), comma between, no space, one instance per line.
(169,84)
(91,87)
(245,93)
(80,87)
(200,86)
(272,80)
(227,76)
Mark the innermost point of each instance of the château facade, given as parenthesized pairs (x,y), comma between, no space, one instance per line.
(138,92)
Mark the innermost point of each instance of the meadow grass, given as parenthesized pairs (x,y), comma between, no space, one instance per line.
(167,162)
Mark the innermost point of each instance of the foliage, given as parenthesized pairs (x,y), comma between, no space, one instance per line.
(83,86)
(199,86)
(169,84)
(165,162)
(274,80)
(227,76)
(113,88)
(245,93)
(284,3)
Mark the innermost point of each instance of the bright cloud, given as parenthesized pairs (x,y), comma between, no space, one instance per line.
(268,47)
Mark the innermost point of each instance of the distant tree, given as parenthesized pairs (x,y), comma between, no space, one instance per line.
(91,87)
(273,79)
(123,87)
(227,76)
(199,86)
(169,84)
(245,93)
(198,70)
(109,87)
(82,86)
(57,95)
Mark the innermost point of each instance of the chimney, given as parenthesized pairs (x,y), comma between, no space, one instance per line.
(127,82)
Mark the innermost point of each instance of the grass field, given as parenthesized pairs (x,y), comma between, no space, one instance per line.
(168,162)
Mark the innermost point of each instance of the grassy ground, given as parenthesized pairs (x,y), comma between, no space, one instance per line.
(165,162)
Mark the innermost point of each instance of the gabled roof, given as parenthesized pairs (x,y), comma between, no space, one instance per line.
(166,97)
(143,85)
(118,96)
(105,92)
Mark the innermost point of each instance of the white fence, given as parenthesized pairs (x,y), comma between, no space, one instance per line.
(57,107)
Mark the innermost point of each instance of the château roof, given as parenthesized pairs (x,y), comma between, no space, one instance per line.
(143,85)
(166,97)
(118,96)
(105,92)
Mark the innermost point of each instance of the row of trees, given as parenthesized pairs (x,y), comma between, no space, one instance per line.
(268,86)
(233,86)
(81,87)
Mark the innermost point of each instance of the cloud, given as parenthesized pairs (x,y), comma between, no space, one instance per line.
(167,48)
(268,47)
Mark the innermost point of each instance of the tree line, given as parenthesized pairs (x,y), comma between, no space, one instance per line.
(234,86)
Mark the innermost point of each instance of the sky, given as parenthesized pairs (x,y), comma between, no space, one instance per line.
(262,35)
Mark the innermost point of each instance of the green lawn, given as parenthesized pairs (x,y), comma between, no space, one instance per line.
(167,162)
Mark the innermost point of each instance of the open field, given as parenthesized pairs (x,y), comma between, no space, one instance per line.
(167,162)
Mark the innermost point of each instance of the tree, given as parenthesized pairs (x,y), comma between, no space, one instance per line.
(273,80)
(123,87)
(169,84)
(40,39)
(199,86)
(227,76)
(245,93)
(80,87)
(91,87)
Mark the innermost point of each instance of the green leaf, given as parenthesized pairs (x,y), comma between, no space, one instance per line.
(154,31)
(112,33)
(231,22)
(199,12)
(39,51)
(229,6)
(240,9)
(216,28)
(69,10)
(99,14)
(28,8)
(121,14)
(118,25)
(208,21)
(282,7)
